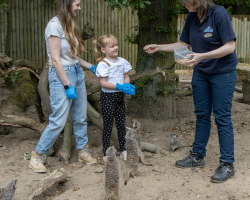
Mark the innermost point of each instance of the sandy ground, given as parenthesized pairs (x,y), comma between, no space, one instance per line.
(161,181)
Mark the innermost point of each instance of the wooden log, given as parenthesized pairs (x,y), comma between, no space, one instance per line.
(47,185)
(133,77)
(19,121)
(38,103)
(43,91)
(65,152)
(184,93)
(150,147)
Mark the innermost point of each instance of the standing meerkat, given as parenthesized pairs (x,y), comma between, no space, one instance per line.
(137,137)
(131,164)
(8,191)
(112,175)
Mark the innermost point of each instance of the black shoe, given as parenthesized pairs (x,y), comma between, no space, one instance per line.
(223,172)
(193,160)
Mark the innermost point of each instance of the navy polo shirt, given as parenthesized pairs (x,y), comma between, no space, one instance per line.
(215,30)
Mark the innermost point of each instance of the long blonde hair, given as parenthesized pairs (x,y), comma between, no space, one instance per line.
(101,43)
(200,5)
(70,28)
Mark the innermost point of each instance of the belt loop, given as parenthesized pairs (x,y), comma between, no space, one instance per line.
(50,68)
(69,67)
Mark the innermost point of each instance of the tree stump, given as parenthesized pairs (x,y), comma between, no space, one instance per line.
(157,95)
(243,77)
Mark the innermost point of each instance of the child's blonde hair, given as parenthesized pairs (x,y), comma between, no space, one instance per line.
(101,43)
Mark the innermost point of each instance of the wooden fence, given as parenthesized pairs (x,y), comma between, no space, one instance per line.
(29,19)
(241,27)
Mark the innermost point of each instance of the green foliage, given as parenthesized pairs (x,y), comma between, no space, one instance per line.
(140,85)
(181,9)
(133,39)
(167,86)
(166,29)
(141,58)
(171,11)
(241,60)
(148,17)
(135,4)
(13,79)
(3,4)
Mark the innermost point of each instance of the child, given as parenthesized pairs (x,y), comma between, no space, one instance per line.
(114,79)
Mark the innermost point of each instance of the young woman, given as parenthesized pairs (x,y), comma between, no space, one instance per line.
(209,32)
(66,83)
(114,79)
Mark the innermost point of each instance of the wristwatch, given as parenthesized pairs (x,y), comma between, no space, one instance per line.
(67,86)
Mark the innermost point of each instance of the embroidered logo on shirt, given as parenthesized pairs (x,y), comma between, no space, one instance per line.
(208,30)
(208,35)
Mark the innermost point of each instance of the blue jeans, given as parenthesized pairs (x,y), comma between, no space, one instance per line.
(214,92)
(61,106)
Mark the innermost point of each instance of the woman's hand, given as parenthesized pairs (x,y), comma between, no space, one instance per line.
(151,48)
(197,57)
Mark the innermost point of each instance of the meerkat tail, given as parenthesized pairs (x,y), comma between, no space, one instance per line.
(126,177)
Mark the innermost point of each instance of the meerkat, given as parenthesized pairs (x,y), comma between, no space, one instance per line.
(8,191)
(131,164)
(175,142)
(112,175)
(137,137)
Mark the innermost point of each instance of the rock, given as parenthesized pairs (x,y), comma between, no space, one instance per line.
(164,152)
(99,170)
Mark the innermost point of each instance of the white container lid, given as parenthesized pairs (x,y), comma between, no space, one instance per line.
(183,51)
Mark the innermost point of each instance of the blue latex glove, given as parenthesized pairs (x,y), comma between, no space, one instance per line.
(71,93)
(119,86)
(126,88)
(128,84)
(129,89)
(93,69)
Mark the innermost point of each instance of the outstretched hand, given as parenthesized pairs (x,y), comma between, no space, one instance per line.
(197,57)
(151,48)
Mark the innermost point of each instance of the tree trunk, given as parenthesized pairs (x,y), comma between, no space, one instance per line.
(9,24)
(157,25)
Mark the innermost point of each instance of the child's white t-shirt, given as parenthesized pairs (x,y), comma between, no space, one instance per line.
(115,72)
(54,28)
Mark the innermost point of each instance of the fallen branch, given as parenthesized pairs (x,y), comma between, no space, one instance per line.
(19,121)
(133,77)
(47,186)
(150,147)
(237,89)
(184,93)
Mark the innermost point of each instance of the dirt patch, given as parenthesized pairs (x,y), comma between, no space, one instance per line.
(161,181)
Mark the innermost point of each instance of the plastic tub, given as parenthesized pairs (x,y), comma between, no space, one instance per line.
(180,54)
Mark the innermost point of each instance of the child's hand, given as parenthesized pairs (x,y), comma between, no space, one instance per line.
(127,88)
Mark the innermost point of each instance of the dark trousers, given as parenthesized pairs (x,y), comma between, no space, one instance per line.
(214,92)
(113,106)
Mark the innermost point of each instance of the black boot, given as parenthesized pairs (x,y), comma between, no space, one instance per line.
(193,160)
(223,172)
